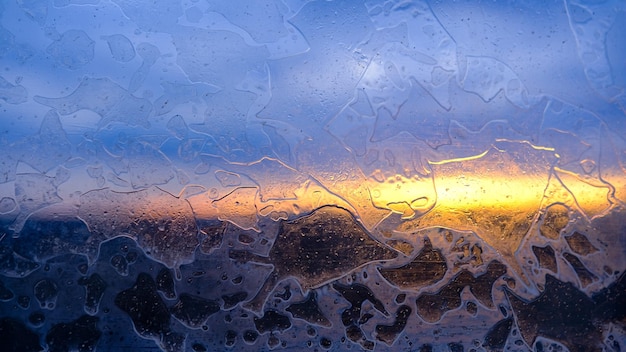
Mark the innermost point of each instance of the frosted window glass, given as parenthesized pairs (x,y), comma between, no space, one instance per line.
(206,175)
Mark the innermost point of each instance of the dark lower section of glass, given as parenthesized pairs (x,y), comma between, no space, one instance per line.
(318,281)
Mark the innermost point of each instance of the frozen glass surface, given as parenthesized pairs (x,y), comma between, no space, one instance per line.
(208,175)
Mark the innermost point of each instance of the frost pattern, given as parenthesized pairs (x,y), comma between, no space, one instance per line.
(382,175)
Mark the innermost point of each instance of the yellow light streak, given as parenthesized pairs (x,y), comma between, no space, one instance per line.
(498,194)
(487,187)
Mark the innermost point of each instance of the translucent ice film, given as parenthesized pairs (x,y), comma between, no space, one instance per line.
(291,175)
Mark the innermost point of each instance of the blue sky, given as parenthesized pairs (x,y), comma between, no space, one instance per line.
(360,83)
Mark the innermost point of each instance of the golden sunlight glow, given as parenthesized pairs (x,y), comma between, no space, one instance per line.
(465,194)
(498,195)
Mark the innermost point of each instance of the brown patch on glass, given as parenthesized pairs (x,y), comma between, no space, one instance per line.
(432,306)
(316,249)
(554,221)
(562,313)
(428,267)
(401,246)
(495,340)
(580,244)
(546,258)
(162,224)
(586,277)
(471,307)
(389,333)
(353,317)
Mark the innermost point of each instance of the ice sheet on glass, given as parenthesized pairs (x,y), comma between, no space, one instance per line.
(380,175)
